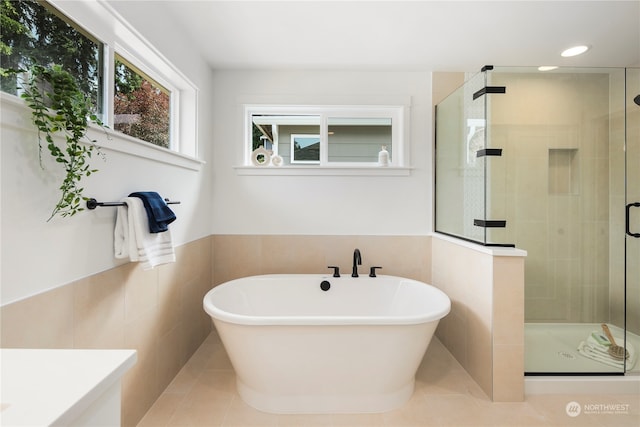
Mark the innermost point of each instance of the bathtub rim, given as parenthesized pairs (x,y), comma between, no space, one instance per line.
(218,314)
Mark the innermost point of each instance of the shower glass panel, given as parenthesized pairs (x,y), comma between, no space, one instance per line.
(460,173)
(549,162)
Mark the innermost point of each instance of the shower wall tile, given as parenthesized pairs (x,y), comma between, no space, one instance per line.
(531,201)
(157,312)
(532,235)
(563,171)
(558,212)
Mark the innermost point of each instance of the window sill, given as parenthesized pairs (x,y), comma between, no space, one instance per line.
(16,115)
(323,170)
(126,144)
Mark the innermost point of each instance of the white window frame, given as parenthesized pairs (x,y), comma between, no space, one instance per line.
(399,145)
(100,20)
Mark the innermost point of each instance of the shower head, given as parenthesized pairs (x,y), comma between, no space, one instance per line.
(637,99)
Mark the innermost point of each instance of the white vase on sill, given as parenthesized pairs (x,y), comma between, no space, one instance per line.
(383,157)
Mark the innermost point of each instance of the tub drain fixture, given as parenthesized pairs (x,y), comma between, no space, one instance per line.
(566,355)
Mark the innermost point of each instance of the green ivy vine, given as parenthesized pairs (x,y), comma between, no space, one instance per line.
(59,107)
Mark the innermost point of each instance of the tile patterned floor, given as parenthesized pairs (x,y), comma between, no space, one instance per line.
(204,394)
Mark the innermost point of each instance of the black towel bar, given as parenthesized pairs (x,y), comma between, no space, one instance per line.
(93,203)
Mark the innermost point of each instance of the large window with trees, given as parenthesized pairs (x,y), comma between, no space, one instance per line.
(140,105)
(134,91)
(33,33)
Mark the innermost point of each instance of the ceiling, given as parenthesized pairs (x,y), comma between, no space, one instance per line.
(408,35)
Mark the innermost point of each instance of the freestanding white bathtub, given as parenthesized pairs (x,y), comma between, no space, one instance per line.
(353,348)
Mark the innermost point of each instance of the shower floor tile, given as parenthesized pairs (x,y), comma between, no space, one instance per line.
(553,348)
(204,394)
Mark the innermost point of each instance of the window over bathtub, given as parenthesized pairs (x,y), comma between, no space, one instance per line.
(325,140)
(135,90)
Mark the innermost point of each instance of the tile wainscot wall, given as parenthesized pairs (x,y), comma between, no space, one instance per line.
(159,312)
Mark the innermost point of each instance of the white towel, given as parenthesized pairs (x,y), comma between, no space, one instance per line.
(594,350)
(132,238)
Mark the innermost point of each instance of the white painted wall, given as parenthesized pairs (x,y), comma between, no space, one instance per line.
(37,255)
(314,205)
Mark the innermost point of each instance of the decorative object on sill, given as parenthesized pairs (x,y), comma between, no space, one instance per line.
(59,107)
(133,240)
(383,157)
(276,160)
(261,156)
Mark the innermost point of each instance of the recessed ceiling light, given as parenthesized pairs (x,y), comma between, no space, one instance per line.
(547,68)
(576,50)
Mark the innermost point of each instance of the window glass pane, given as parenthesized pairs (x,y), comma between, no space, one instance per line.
(358,139)
(141,106)
(305,148)
(328,136)
(34,34)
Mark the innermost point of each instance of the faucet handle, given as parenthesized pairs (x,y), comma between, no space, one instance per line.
(336,270)
(372,271)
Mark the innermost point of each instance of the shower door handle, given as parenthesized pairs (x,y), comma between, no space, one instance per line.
(627,220)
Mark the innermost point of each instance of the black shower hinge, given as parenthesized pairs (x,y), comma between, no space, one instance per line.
(489,89)
(489,152)
(486,68)
(490,223)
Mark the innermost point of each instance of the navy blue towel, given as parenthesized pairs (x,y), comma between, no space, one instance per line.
(160,216)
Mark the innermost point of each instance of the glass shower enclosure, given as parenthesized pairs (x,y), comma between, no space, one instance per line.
(549,162)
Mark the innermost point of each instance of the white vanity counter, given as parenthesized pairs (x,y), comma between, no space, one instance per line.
(41,387)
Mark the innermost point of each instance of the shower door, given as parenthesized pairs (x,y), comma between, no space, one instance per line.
(567,183)
(632,211)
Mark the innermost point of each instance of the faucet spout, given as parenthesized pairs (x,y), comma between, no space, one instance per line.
(357,260)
